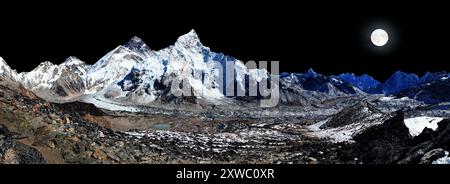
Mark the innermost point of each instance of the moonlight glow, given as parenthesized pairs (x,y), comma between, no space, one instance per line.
(379,37)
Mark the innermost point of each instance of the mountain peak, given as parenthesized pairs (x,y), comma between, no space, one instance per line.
(3,65)
(401,73)
(366,76)
(430,77)
(398,72)
(136,44)
(135,41)
(348,74)
(5,70)
(192,33)
(45,63)
(72,60)
(310,73)
(399,81)
(2,61)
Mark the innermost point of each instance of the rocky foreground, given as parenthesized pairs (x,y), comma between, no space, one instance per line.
(34,131)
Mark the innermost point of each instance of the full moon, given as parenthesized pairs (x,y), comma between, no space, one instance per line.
(379,37)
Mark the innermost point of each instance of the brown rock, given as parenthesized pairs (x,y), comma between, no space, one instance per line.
(10,157)
(99,154)
(36,108)
(75,139)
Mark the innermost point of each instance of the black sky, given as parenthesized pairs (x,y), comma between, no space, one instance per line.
(329,37)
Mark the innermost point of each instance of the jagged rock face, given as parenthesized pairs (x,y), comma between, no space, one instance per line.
(432,155)
(132,80)
(313,81)
(393,130)
(69,85)
(57,83)
(137,45)
(312,88)
(293,94)
(390,142)
(7,72)
(361,112)
(425,147)
(164,94)
(441,136)
(111,68)
(351,121)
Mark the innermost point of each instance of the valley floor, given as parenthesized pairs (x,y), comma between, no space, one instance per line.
(35,131)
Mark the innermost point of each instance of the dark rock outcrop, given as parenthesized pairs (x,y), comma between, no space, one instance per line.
(390,142)
(359,112)
(384,143)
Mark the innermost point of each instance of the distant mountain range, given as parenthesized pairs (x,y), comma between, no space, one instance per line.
(134,75)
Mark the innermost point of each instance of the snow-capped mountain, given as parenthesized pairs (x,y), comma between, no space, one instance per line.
(111,68)
(136,74)
(137,45)
(133,74)
(364,82)
(42,77)
(313,81)
(72,81)
(57,82)
(6,71)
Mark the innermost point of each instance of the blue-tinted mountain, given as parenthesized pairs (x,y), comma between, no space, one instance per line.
(399,81)
(313,81)
(364,82)
(431,93)
(431,77)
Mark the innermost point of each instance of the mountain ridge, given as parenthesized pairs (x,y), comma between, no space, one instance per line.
(133,73)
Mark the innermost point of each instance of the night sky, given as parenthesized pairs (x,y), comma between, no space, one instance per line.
(330,37)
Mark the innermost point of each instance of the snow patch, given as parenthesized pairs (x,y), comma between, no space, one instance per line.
(417,124)
(386,98)
(316,126)
(443,160)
